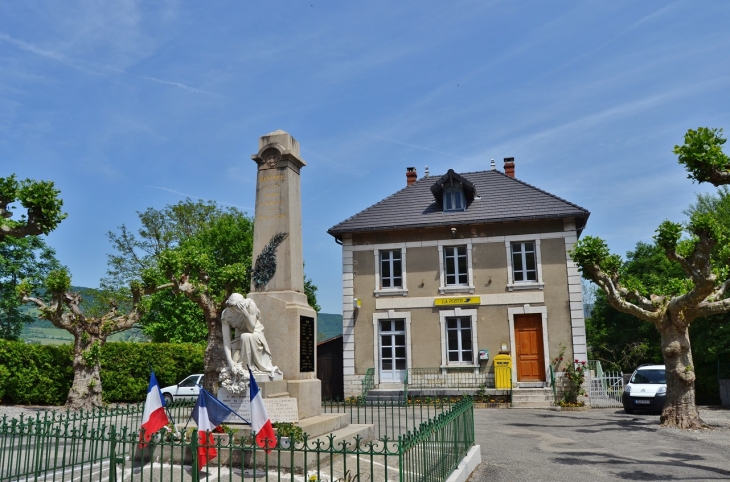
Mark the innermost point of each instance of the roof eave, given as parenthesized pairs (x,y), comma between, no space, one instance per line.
(337,233)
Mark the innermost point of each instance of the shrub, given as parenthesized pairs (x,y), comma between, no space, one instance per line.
(42,374)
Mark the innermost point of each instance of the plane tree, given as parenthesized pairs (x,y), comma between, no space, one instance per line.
(701,248)
(110,313)
(42,204)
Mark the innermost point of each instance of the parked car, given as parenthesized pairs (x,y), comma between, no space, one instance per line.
(186,389)
(646,390)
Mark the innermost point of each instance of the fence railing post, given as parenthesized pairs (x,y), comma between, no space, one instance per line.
(113,454)
(194,449)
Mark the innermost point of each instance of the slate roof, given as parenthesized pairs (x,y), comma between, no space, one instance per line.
(500,199)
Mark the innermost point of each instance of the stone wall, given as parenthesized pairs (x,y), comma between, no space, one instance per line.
(353,385)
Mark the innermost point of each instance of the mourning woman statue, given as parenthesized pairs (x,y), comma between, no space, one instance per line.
(246,346)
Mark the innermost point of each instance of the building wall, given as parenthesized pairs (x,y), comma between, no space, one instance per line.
(558,297)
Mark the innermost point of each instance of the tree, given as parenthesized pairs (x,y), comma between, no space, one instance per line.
(614,337)
(90,330)
(207,268)
(172,316)
(41,201)
(26,259)
(672,304)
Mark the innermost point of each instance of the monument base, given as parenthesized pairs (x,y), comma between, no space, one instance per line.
(287,316)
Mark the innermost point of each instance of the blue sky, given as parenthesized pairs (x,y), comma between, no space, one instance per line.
(128,105)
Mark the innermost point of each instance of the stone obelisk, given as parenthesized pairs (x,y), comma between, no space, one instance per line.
(277,284)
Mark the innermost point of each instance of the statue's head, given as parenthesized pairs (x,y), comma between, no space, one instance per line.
(234,299)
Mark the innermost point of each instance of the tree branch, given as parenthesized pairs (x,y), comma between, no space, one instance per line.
(700,271)
(617,297)
(718,177)
(53,313)
(30,228)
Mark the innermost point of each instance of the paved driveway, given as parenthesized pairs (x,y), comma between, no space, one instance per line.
(597,445)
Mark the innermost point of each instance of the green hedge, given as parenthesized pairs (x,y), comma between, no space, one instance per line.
(35,374)
(42,374)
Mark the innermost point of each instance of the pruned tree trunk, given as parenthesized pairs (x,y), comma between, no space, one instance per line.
(679,409)
(214,357)
(86,387)
(90,334)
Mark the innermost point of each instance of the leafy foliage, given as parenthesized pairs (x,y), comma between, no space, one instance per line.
(702,153)
(42,374)
(173,318)
(210,244)
(310,289)
(38,374)
(42,204)
(197,237)
(23,261)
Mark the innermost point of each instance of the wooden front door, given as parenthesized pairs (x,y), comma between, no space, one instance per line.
(530,355)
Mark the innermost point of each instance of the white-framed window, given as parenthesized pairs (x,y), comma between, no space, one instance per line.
(454,199)
(390,270)
(524,264)
(459,338)
(455,265)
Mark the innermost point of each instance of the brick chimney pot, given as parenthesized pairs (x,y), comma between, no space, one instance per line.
(411,175)
(509,166)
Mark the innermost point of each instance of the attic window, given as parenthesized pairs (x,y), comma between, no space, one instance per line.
(453,191)
(453,199)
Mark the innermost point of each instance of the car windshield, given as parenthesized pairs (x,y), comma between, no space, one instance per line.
(189,381)
(650,376)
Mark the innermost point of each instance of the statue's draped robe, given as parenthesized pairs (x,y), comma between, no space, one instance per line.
(249,346)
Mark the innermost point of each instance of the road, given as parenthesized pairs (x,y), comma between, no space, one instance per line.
(598,445)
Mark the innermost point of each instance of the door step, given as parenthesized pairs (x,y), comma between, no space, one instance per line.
(532,398)
(530,384)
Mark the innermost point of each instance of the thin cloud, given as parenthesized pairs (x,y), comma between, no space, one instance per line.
(414,146)
(49,54)
(621,110)
(95,69)
(193,196)
(176,84)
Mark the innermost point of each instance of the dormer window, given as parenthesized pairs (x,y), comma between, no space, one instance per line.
(453,199)
(453,191)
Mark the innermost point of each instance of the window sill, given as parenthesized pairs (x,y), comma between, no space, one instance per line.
(393,292)
(456,289)
(525,286)
(457,365)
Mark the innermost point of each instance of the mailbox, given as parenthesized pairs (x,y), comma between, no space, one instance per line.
(503,372)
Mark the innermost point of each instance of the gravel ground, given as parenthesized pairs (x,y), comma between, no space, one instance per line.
(15,411)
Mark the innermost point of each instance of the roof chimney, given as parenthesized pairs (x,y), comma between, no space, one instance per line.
(411,175)
(492,165)
(509,166)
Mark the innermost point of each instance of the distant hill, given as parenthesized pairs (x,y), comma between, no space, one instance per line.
(43,332)
(328,325)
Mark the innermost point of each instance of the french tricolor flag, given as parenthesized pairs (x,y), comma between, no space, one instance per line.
(260,422)
(154,416)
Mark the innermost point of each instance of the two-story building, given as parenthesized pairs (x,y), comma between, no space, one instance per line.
(453,269)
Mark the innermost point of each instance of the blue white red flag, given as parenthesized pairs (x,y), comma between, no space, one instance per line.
(154,416)
(208,413)
(260,422)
